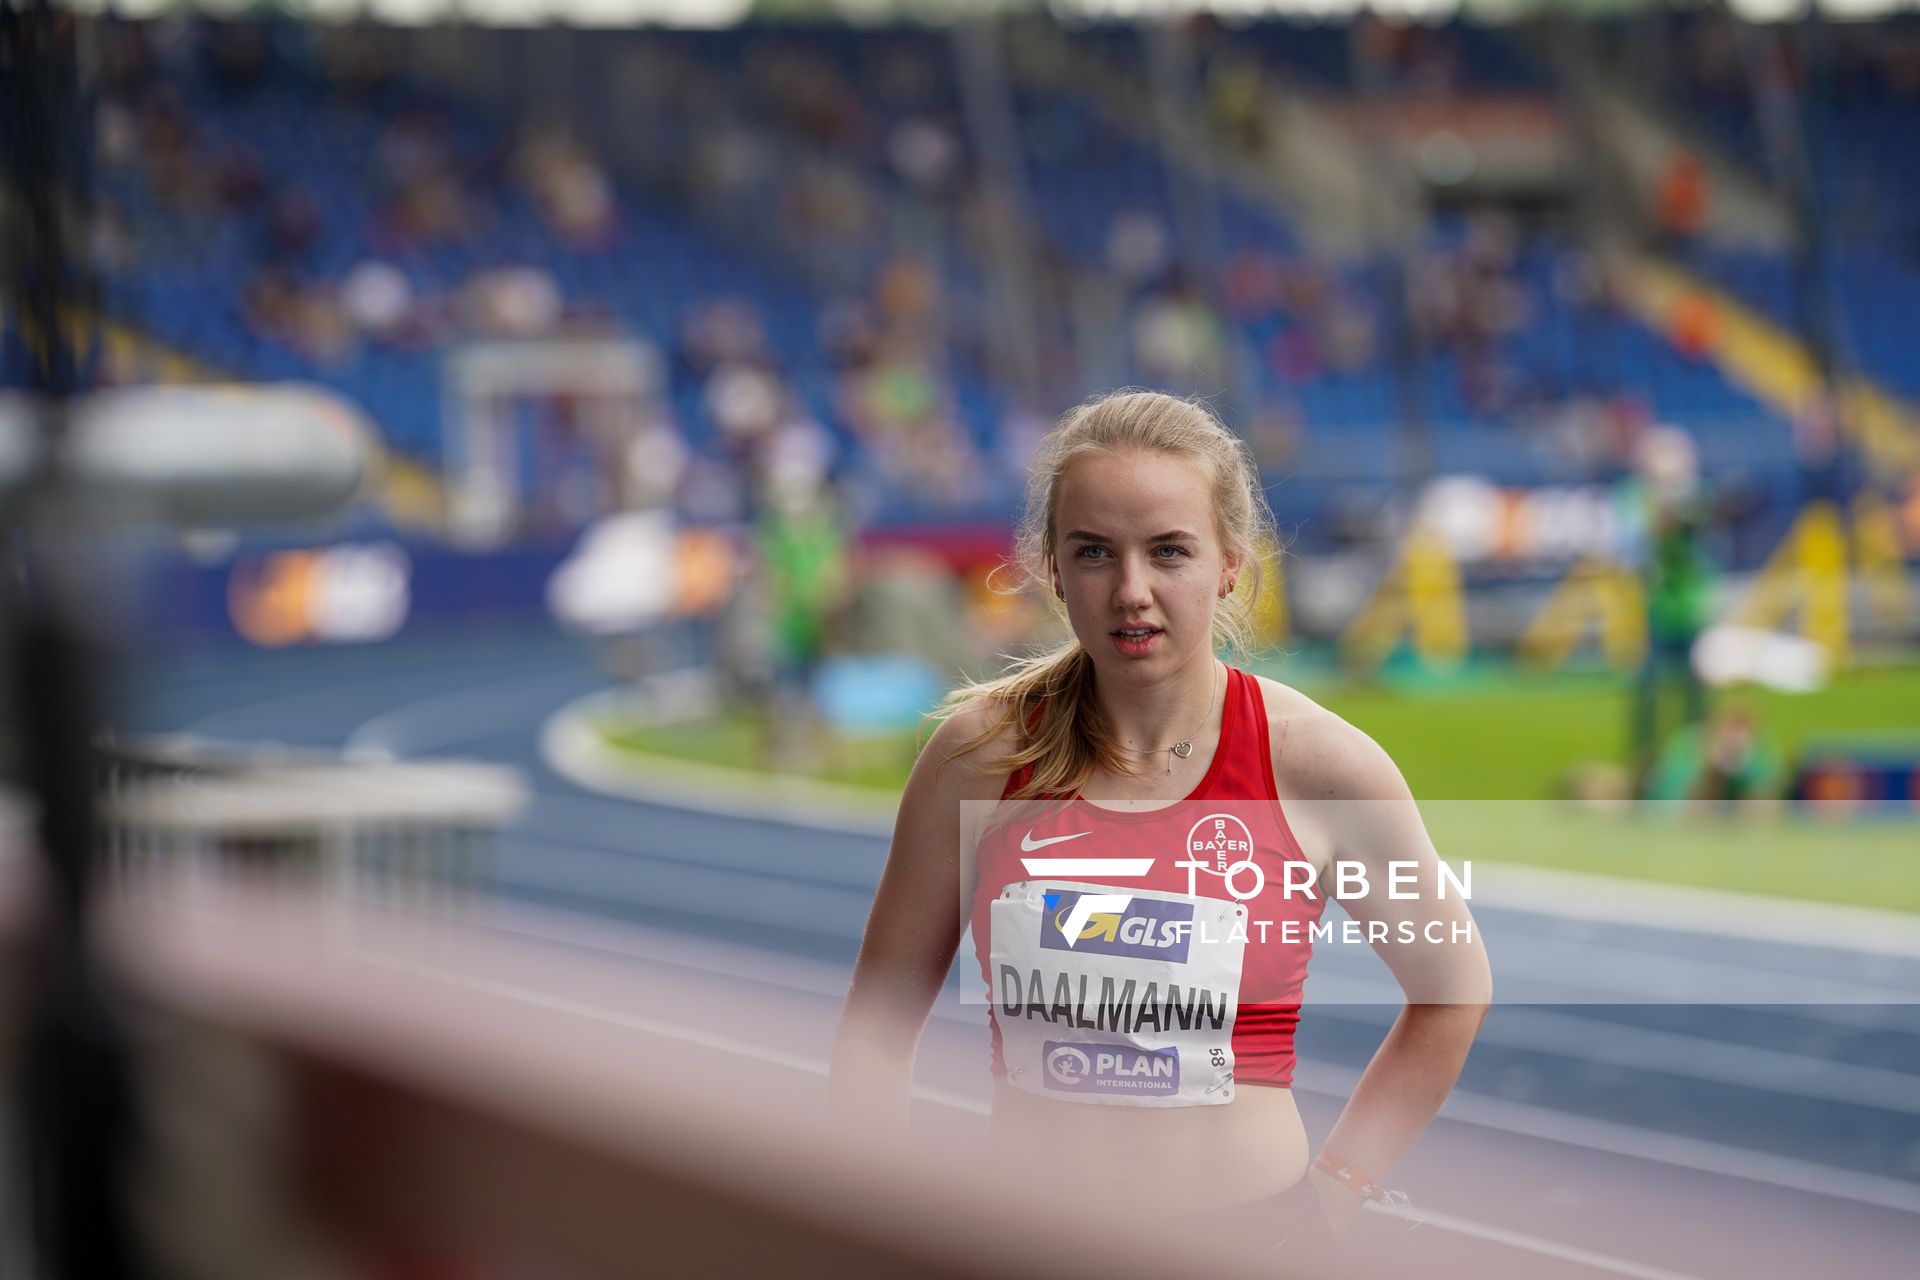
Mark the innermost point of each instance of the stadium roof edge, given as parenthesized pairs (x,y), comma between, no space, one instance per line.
(716,14)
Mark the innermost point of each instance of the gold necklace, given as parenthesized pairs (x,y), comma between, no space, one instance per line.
(1184,747)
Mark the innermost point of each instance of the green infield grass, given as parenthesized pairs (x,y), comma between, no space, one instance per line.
(1486,750)
(1501,736)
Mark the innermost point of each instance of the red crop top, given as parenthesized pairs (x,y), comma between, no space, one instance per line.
(1240,779)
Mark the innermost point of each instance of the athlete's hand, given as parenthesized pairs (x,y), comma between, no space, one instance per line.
(1337,1204)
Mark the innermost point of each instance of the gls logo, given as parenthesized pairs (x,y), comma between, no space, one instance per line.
(1065,868)
(1103,910)
(1117,924)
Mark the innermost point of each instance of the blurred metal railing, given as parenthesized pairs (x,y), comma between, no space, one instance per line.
(417,831)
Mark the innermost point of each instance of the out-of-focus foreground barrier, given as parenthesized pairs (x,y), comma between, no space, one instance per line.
(363,1095)
(366,1093)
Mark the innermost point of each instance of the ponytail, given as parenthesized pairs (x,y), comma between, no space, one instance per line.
(1047,702)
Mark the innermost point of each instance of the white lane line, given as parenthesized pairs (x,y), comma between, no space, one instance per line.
(976,1106)
(572,749)
(1535,1244)
(1532,970)
(327,697)
(1810,971)
(618,1017)
(1676,1053)
(1612,900)
(1657,1146)
(1619,1044)
(829,910)
(429,722)
(572,822)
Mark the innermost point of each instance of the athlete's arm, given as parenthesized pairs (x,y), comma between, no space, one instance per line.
(1362,810)
(912,930)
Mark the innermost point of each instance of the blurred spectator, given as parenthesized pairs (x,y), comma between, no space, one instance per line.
(1726,758)
(1819,449)
(1255,281)
(1349,341)
(569,186)
(1592,435)
(1274,434)
(656,464)
(712,491)
(378,299)
(1236,91)
(799,453)
(845,332)
(308,318)
(295,226)
(803,552)
(743,400)
(1468,304)
(1136,247)
(111,241)
(924,153)
(1695,326)
(1679,588)
(1682,199)
(906,297)
(239,181)
(724,331)
(1179,341)
(728,163)
(512,302)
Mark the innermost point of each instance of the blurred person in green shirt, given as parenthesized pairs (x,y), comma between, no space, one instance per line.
(802,546)
(1679,580)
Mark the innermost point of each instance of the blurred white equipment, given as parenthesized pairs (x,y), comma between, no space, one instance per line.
(1771,659)
(610,385)
(620,576)
(208,456)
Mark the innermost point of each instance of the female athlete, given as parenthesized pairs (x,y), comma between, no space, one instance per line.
(1164,833)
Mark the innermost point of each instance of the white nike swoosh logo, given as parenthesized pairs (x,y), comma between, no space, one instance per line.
(1086,868)
(1028,844)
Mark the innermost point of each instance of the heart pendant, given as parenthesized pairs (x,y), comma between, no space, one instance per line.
(1183,749)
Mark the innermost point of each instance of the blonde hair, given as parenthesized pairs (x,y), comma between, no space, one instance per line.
(1069,738)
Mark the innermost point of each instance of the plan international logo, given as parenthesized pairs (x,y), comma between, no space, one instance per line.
(1116,924)
(1111,1068)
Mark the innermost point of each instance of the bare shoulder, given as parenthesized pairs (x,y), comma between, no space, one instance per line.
(1317,755)
(978,774)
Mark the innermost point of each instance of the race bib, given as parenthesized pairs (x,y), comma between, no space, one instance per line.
(1125,998)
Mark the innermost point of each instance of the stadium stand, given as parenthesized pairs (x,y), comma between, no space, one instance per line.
(306,210)
(1853,95)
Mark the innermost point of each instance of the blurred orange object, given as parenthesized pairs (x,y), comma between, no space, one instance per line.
(1695,326)
(1684,197)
